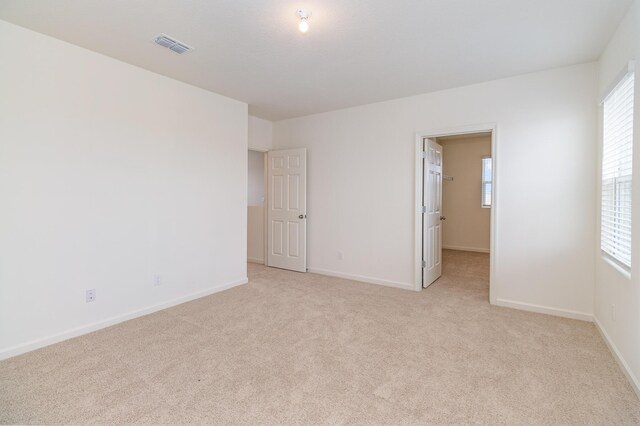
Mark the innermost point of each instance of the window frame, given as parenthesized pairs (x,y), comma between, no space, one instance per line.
(485,182)
(611,248)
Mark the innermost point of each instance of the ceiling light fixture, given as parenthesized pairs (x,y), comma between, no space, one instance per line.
(304,16)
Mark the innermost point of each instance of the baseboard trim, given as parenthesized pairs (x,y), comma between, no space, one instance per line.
(461,248)
(565,313)
(633,380)
(254,260)
(362,278)
(85,329)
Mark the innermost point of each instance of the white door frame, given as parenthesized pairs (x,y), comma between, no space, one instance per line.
(462,130)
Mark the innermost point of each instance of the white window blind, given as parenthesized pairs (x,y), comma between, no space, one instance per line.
(616,172)
(486,182)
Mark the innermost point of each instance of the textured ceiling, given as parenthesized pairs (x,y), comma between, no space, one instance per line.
(355,52)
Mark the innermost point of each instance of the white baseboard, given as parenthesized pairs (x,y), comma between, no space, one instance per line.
(544,310)
(78,331)
(461,248)
(633,380)
(361,278)
(254,260)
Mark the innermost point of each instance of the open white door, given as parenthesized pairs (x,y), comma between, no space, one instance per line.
(432,213)
(287,209)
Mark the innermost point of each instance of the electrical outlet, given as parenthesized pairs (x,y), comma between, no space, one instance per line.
(613,312)
(157,280)
(91,295)
(340,256)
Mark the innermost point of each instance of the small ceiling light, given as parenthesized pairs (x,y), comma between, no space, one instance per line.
(304,16)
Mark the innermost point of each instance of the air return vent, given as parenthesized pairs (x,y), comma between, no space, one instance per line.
(173,44)
(181,48)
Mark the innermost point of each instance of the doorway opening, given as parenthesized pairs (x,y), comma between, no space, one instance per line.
(455,197)
(277,208)
(256,207)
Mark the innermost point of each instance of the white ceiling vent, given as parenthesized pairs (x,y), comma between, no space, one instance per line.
(181,48)
(173,44)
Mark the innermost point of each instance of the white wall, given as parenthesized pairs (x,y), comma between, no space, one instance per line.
(260,134)
(255,213)
(362,172)
(110,175)
(255,234)
(468,224)
(614,290)
(255,188)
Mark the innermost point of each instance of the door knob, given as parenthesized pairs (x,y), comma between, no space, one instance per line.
(302,216)
(443,218)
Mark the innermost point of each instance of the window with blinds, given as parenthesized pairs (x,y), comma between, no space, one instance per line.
(617,151)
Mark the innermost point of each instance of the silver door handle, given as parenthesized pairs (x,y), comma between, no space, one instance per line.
(443,218)
(302,216)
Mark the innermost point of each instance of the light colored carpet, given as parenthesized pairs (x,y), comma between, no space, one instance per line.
(294,348)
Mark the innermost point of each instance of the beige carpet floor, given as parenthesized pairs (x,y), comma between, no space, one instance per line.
(294,348)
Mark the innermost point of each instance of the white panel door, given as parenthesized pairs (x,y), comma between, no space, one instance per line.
(287,209)
(432,216)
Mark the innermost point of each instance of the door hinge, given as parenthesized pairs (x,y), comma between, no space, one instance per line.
(424,154)
(424,264)
(424,209)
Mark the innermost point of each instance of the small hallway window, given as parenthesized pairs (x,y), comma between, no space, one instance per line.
(486,182)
